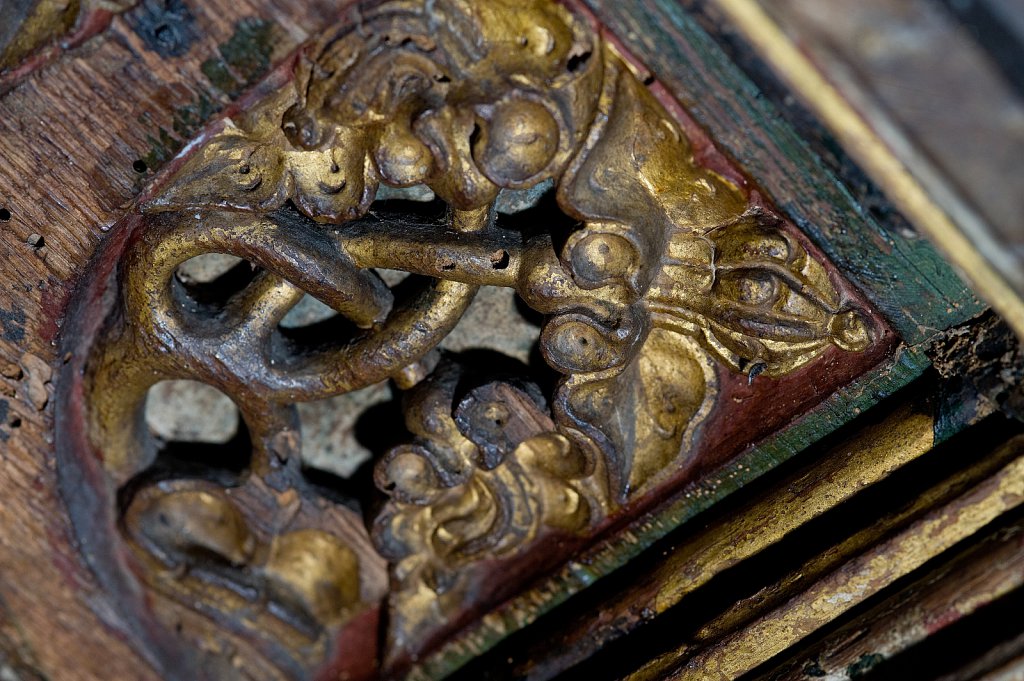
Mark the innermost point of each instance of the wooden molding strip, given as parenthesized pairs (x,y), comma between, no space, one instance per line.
(874,155)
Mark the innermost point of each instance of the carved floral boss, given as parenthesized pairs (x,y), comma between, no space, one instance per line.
(674,275)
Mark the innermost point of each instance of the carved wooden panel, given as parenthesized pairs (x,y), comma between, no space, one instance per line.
(678,307)
(415,194)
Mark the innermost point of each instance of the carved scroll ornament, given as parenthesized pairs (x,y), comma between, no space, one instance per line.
(674,274)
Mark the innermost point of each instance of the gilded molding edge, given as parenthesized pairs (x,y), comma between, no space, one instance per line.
(676,274)
(939,523)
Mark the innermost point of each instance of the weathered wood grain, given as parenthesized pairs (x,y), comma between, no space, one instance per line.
(70,136)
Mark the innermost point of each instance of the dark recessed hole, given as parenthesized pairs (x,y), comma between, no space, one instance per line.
(15,423)
(294,343)
(499,259)
(755,371)
(329,441)
(224,464)
(381,427)
(474,137)
(199,434)
(543,215)
(5,215)
(530,315)
(164,35)
(578,61)
(482,365)
(212,279)
(140,166)
(448,266)
(442,78)
(649,79)
(407,208)
(352,493)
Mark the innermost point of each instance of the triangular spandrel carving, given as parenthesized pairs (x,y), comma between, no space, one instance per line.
(664,281)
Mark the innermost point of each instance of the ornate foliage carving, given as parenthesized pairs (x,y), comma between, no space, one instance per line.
(674,275)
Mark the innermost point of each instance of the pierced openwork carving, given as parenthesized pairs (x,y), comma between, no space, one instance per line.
(674,274)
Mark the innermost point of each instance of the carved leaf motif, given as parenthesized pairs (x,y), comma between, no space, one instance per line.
(245,171)
(675,388)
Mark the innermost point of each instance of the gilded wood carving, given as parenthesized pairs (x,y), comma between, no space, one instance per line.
(676,275)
